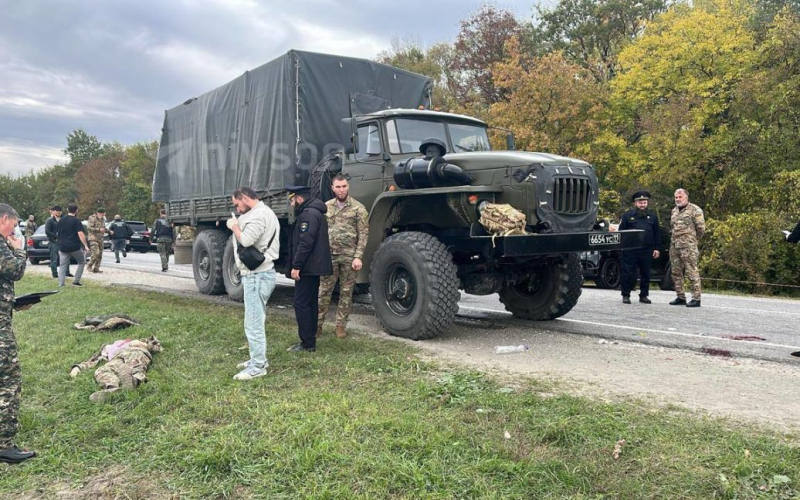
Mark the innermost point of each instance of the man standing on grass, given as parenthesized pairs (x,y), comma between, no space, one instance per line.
(257,226)
(688,226)
(348,228)
(12,267)
(71,245)
(51,231)
(97,228)
(309,257)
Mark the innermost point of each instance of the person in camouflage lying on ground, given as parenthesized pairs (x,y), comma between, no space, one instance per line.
(126,367)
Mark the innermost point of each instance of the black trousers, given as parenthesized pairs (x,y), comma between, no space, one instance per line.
(306,309)
(633,260)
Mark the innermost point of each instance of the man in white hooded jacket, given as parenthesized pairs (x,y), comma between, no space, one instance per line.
(258,227)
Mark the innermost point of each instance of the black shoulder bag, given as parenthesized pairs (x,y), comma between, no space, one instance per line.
(251,256)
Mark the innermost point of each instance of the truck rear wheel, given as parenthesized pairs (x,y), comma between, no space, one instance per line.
(209,247)
(549,292)
(230,273)
(414,286)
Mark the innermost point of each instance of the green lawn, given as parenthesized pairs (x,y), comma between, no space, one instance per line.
(360,418)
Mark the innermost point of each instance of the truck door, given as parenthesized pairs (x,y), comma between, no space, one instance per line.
(365,168)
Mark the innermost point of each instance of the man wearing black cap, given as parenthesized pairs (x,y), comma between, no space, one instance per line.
(639,217)
(308,258)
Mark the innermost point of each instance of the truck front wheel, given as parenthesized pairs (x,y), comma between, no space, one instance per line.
(550,291)
(414,286)
(207,253)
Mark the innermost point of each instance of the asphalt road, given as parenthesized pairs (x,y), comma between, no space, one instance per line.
(766,328)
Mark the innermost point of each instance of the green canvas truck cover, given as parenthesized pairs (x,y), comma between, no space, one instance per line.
(270,126)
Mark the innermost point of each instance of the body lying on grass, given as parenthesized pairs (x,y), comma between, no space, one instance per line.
(126,365)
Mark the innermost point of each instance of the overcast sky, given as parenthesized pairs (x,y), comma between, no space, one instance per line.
(113,67)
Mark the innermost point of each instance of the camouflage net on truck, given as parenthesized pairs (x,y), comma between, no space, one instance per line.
(503,220)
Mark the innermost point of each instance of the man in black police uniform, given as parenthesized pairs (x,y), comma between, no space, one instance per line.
(642,259)
(309,257)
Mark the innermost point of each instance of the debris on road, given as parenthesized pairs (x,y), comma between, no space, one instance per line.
(717,352)
(742,337)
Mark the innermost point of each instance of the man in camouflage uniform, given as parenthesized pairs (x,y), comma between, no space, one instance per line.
(348,228)
(30,227)
(688,226)
(96,228)
(164,236)
(12,267)
(126,367)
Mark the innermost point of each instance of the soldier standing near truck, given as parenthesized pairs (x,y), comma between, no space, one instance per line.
(96,228)
(641,259)
(162,232)
(688,226)
(348,228)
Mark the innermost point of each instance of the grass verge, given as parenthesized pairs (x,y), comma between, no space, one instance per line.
(360,418)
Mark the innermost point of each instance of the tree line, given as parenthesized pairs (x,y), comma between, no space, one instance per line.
(656,94)
(110,175)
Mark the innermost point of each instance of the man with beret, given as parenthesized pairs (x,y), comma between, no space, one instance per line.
(96,228)
(688,227)
(640,259)
(308,258)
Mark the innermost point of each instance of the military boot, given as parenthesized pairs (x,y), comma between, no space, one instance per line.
(340,333)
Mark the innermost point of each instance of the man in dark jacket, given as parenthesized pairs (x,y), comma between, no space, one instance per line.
(51,231)
(308,258)
(794,236)
(640,259)
(120,235)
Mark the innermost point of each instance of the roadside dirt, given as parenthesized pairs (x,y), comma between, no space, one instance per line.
(744,390)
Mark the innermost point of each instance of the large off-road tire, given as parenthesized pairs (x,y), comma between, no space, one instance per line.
(320,179)
(666,281)
(551,291)
(230,273)
(414,286)
(209,247)
(610,273)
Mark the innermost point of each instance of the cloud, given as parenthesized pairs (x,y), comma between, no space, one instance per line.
(112,68)
(19,157)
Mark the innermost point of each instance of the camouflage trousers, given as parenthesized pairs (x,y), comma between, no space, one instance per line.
(10,387)
(684,263)
(343,272)
(97,255)
(126,371)
(164,245)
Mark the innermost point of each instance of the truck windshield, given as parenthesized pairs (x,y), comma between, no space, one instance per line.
(406,134)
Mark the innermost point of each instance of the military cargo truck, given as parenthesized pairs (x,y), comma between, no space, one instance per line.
(304,117)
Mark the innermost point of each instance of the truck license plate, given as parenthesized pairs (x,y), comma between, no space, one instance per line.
(605,239)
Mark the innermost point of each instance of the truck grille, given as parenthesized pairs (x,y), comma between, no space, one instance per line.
(571,195)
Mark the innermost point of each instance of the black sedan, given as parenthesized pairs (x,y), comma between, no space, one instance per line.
(38,246)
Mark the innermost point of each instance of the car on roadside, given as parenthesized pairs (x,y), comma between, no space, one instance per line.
(140,240)
(38,248)
(604,267)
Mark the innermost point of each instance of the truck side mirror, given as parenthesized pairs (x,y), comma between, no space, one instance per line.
(349,136)
(510,143)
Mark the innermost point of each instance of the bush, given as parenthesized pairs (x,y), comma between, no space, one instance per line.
(750,247)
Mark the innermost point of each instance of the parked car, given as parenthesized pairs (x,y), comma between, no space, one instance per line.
(605,267)
(140,240)
(38,246)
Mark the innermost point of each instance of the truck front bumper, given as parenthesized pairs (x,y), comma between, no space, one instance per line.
(546,244)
